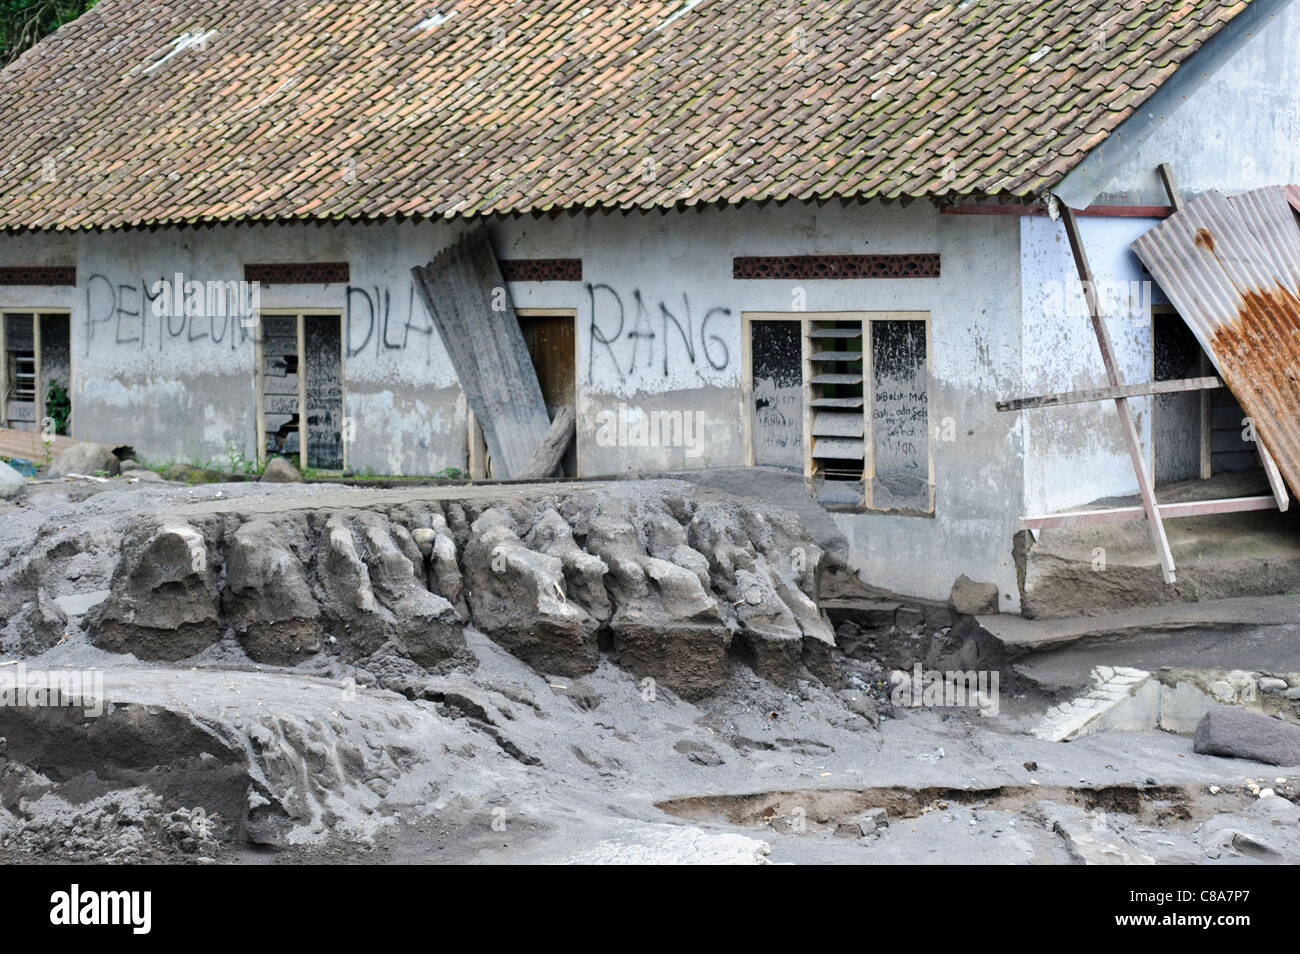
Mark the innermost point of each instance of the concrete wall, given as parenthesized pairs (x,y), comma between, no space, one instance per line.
(1239,131)
(1076,453)
(658,328)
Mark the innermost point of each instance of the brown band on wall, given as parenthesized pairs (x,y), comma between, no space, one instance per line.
(541,269)
(298,273)
(921,265)
(38,275)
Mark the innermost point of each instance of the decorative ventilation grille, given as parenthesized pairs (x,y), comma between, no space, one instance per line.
(541,269)
(297,273)
(923,265)
(38,275)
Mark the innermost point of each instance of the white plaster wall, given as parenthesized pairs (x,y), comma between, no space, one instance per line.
(1239,131)
(1076,453)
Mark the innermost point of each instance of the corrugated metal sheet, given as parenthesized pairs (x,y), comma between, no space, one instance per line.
(1232,269)
(1293,196)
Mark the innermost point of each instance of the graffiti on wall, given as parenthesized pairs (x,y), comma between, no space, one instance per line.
(628,334)
(382,320)
(148,314)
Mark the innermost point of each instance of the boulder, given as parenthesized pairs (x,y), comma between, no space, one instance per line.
(517,597)
(972,598)
(267,598)
(130,464)
(1241,734)
(11,482)
(164,600)
(280,471)
(86,459)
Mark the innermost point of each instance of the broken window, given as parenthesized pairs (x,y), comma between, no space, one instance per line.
(300,392)
(900,417)
(848,396)
(37,371)
(776,383)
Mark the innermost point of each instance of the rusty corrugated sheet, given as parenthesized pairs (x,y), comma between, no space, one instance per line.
(1232,269)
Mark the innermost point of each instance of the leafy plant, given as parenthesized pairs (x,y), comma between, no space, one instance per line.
(58,406)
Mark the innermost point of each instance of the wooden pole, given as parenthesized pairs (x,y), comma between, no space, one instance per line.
(1127,426)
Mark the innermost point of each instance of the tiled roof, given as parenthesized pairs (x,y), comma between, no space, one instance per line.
(144,112)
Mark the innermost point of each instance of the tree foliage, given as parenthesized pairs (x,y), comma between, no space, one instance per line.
(23,23)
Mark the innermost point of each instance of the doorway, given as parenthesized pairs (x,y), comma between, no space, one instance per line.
(300,389)
(549,337)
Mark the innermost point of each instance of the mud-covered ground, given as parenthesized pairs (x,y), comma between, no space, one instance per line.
(354,751)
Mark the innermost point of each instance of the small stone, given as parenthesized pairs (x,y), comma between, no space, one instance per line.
(129,465)
(11,482)
(971,598)
(1271,684)
(280,471)
(1223,692)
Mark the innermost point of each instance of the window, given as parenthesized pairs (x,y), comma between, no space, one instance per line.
(300,389)
(36,373)
(846,397)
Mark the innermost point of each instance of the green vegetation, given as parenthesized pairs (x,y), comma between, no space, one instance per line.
(24,23)
(58,406)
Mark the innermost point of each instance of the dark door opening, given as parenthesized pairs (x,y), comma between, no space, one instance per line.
(550,342)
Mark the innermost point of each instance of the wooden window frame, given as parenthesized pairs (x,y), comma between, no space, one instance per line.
(259,375)
(36,314)
(868,318)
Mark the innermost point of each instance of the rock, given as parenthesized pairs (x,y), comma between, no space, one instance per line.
(699,753)
(1223,691)
(280,471)
(48,623)
(971,598)
(1271,684)
(86,459)
(1238,733)
(1293,694)
(11,482)
(267,598)
(23,466)
(873,821)
(517,597)
(148,476)
(164,600)
(130,464)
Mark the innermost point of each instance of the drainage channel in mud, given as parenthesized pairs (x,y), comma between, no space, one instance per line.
(1151,804)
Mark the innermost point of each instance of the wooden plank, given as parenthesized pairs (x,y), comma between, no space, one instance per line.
(1106,394)
(1121,403)
(1187,508)
(837,424)
(467,299)
(1166,174)
(550,452)
(836,378)
(1275,481)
